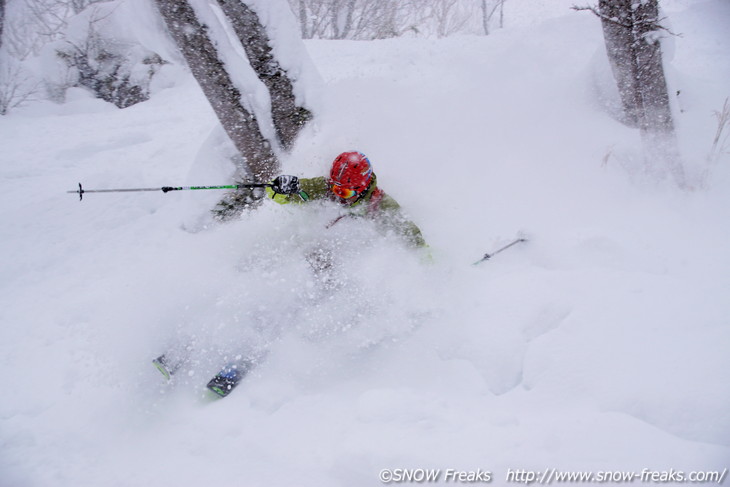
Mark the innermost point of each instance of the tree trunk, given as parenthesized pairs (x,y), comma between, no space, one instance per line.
(347,28)
(485,17)
(303,20)
(620,47)
(2,20)
(208,69)
(650,76)
(288,118)
(630,31)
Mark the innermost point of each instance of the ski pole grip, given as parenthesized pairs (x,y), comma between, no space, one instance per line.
(165,189)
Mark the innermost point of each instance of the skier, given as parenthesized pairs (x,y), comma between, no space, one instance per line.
(353,184)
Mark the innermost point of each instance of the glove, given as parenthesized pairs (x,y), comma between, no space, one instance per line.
(285,185)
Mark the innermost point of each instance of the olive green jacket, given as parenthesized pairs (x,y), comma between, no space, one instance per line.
(374,204)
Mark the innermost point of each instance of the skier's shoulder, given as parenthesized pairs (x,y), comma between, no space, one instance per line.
(382,201)
(392,216)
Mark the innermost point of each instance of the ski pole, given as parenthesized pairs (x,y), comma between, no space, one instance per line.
(165,189)
(489,256)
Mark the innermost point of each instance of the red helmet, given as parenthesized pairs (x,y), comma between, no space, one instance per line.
(351,175)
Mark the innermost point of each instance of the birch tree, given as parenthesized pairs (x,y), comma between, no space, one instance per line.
(16,84)
(488,12)
(450,16)
(354,19)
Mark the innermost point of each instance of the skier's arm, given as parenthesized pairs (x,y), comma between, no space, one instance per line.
(393,219)
(406,229)
(284,190)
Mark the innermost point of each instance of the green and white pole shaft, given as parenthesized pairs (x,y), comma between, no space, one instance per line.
(165,189)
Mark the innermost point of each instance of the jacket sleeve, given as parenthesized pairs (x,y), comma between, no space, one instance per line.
(393,219)
(311,189)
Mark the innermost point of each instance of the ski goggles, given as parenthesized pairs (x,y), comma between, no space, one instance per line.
(342,192)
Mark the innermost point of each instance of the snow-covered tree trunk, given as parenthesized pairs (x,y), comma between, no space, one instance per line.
(631,31)
(209,70)
(618,32)
(288,118)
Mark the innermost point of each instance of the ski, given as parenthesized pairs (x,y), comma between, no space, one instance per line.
(163,366)
(229,377)
(171,361)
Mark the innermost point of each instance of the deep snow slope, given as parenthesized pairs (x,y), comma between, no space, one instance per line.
(599,345)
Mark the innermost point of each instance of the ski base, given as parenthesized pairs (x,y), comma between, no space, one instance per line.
(228,378)
(166,368)
(221,384)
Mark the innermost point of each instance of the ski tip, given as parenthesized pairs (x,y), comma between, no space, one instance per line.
(227,379)
(221,386)
(159,364)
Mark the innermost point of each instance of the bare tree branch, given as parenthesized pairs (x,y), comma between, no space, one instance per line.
(16,86)
(719,143)
(654,24)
